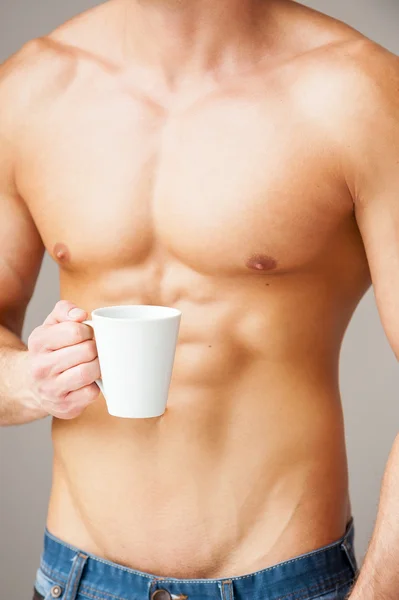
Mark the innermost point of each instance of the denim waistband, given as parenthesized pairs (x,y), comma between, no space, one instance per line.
(74,574)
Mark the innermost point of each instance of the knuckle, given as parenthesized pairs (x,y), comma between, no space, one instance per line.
(62,305)
(31,338)
(76,332)
(90,351)
(83,374)
(35,342)
(39,370)
(58,394)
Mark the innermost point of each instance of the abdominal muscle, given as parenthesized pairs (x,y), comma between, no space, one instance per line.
(245,469)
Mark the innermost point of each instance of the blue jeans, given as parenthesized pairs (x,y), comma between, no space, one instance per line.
(69,574)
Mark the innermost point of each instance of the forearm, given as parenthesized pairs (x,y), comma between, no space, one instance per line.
(17,403)
(379,577)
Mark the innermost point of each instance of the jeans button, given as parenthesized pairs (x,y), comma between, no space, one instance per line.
(56,591)
(161,595)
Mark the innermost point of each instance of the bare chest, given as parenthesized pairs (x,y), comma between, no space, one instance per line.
(234,183)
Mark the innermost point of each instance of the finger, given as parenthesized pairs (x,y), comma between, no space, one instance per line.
(65,311)
(77,401)
(54,337)
(54,363)
(84,396)
(78,377)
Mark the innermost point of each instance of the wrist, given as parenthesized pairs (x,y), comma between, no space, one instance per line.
(28,399)
(22,405)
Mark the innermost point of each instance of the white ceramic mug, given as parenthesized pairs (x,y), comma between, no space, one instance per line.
(136,349)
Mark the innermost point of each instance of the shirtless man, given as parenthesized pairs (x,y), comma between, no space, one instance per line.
(237,160)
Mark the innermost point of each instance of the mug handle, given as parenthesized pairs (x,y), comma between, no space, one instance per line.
(98,381)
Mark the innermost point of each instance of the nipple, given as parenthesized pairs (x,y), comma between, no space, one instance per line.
(61,252)
(261,262)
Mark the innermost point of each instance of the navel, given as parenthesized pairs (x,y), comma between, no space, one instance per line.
(61,253)
(261,262)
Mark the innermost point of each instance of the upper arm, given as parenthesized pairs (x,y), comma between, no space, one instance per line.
(21,248)
(21,253)
(373,149)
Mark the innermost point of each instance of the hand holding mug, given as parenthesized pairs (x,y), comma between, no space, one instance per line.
(63,362)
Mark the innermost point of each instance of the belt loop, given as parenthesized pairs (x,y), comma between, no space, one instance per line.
(226,589)
(350,556)
(75,576)
(347,547)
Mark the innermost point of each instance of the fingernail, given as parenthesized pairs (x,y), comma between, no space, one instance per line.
(75,313)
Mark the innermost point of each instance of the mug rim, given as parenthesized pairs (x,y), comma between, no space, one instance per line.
(172,312)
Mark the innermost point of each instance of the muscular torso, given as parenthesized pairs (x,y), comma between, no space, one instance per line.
(231,208)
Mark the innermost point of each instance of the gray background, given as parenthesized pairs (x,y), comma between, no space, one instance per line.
(369,372)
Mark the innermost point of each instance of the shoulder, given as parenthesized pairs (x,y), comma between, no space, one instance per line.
(349,82)
(25,77)
(369,73)
(37,70)
(365,104)
(47,64)
(337,54)
(361,115)
(44,67)
(346,93)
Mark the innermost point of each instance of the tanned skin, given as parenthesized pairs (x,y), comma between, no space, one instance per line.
(235,159)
